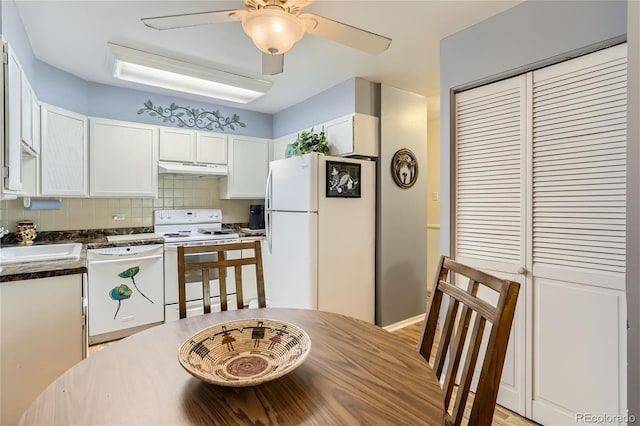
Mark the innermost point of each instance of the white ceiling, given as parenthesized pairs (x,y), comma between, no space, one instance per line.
(73,36)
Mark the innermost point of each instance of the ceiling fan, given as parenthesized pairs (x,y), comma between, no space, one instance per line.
(275,26)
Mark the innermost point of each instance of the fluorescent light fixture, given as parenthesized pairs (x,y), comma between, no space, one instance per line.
(154,70)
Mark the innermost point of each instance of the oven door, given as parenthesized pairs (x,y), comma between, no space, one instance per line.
(194,278)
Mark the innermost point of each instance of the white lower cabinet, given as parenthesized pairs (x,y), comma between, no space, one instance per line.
(42,335)
(248,160)
(64,153)
(123,159)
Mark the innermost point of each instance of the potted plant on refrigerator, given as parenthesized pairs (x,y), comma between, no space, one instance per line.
(308,141)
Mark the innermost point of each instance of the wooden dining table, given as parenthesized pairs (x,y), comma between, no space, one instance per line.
(356,373)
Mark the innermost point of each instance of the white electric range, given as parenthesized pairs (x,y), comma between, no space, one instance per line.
(192,227)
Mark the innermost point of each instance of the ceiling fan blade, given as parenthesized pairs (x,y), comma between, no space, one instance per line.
(191,19)
(272,64)
(356,38)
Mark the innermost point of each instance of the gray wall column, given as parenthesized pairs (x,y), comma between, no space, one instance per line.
(401,230)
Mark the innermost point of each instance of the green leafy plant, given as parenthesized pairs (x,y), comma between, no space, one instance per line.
(310,141)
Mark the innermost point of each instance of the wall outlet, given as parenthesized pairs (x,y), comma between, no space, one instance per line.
(435,196)
(118,216)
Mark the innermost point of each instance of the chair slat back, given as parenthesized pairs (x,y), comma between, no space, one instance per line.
(221,264)
(466,309)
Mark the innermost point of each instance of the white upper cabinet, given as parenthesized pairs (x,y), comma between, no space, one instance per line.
(211,148)
(177,144)
(354,134)
(279,146)
(248,168)
(13,120)
(25,114)
(64,153)
(35,123)
(189,146)
(123,159)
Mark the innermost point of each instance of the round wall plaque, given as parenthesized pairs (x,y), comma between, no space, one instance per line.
(404,168)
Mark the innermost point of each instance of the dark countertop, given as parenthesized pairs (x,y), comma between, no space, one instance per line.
(91,239)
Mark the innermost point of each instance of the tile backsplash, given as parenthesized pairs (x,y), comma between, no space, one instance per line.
(174,192)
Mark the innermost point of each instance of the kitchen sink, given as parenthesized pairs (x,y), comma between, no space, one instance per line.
(40,253)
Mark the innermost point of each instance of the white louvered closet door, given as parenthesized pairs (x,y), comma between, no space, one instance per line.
(490,203)
(578,237)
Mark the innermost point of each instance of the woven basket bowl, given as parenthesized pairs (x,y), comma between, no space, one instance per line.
(244,352)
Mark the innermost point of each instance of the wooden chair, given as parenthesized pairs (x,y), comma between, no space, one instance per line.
(454,334)
(221,264)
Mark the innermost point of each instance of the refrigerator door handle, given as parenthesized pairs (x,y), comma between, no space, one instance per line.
(267,192)
(267,210)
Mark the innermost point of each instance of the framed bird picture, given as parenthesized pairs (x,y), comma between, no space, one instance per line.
(343,179)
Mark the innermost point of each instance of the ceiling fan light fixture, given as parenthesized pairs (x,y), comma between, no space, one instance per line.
(159,71)
(273,31)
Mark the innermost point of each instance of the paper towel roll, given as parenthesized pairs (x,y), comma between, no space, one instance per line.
(42,204)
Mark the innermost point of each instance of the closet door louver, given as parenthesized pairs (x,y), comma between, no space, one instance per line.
(579,164)
(490,127)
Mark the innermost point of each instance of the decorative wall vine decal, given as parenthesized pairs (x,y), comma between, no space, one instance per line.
(192,117)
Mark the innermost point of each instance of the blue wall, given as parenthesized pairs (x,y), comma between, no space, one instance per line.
(334,102)
(59,88)
(353,95)
(123,104)
(13,32)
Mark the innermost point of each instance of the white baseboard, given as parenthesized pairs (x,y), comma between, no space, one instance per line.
(404,323)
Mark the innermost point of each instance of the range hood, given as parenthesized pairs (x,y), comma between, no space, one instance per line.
(169,167)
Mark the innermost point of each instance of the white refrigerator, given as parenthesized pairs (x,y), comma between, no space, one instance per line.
(320,224)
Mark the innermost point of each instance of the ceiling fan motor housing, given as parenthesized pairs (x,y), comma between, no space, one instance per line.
(291,6)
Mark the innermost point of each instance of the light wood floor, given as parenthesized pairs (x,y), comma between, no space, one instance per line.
(501,417)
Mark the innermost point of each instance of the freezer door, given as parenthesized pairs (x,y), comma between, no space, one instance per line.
(294,184)
(294,260)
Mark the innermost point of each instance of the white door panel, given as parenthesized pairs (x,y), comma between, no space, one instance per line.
(490,206)
(571,342)
(513,373)
(577,244)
